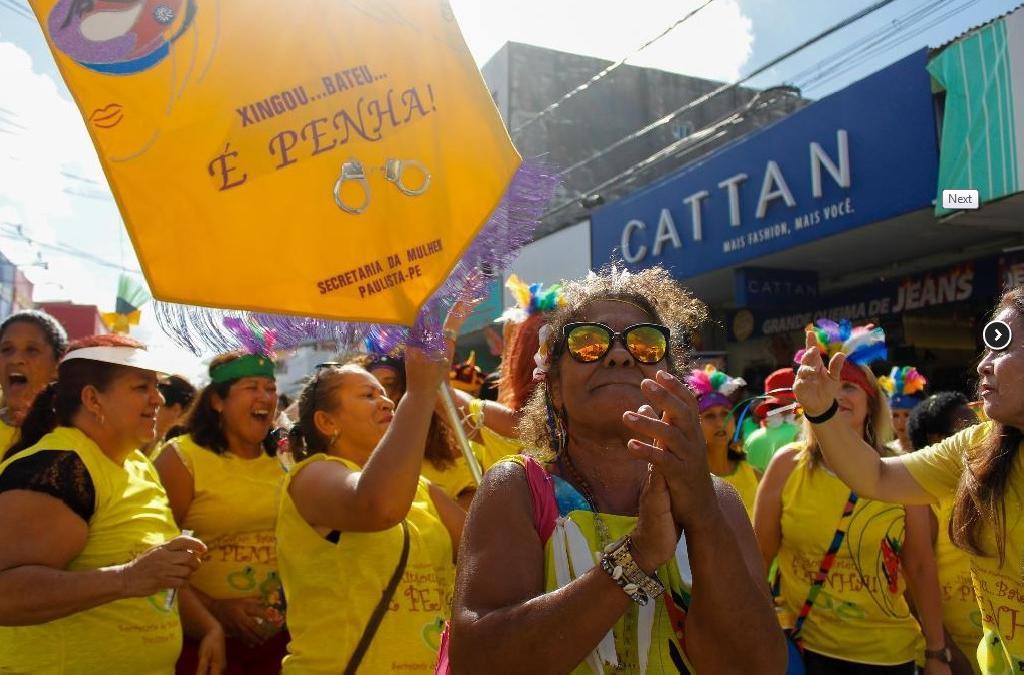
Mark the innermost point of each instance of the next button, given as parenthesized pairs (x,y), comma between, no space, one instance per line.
(960,199)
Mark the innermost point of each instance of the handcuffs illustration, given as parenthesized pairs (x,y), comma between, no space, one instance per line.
(394,172)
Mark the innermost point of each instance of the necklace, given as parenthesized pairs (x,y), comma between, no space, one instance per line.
(604,539)
(600,526)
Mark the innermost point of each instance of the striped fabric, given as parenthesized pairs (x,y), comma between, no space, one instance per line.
(982,74)
(826,565)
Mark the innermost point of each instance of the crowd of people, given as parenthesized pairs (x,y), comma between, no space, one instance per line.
(641,511)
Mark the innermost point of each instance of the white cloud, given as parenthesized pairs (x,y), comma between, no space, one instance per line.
(42,141)
(715,43)
(46,156)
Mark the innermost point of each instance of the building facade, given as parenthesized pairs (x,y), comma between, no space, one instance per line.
(837,211)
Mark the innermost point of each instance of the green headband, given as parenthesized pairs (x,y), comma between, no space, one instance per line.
(250,365)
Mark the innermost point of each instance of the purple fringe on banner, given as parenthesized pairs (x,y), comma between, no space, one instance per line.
(509,228)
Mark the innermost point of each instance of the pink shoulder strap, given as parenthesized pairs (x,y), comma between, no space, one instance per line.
(542,494)
(545,513)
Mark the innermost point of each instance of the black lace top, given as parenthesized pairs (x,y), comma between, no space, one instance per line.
(58,473)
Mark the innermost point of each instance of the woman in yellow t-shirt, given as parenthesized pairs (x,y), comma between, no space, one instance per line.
(988,499)
(31,345)
(938,417)
(859,619)
(443,463)
(358,527)
(88,545)
(224,486)
(713,389)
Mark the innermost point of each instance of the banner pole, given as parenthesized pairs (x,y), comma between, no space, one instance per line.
(455,422)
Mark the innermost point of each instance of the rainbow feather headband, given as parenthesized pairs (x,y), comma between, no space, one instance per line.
(903,386)
(530,299)
(712,387)
(862,345)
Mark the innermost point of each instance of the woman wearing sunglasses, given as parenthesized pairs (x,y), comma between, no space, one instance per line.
(713,390)
(224,485)
(364,543)
(624,471)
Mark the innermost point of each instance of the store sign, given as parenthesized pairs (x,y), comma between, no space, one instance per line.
(862,155)
(955,284)
(1011,272)
(760,287)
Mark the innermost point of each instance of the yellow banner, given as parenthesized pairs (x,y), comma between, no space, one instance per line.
(318,158)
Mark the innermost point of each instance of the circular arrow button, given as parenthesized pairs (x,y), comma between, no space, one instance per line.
(997,335)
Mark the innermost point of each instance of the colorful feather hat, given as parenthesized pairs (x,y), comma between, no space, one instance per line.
(712,387)
(531,299)
(904,386)
(522,338)
(863,345)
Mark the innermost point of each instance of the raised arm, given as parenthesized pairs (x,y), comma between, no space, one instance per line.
(498,418)
(379,496)
(853,460)
(730,600)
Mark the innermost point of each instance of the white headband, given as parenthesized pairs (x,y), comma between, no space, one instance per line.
(132,357)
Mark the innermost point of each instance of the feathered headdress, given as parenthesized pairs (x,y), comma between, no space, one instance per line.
(863,345)
(530,299)
(712,387)
(254,338)
(903,385)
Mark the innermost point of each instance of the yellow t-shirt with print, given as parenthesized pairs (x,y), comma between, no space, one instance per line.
(745,480)
(860,614)
(961,615)
(233,511)
(332,589)
(999,587)
(8,436)
(454,479)
(133,636)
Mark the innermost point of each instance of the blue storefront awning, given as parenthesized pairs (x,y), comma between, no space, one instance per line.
(862,155)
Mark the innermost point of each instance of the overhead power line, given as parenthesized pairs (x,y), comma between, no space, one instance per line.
(13,231)
(17,8)
(901,32)
(668,118)
(607,71)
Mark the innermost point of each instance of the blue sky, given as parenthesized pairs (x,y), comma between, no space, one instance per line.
(51,185)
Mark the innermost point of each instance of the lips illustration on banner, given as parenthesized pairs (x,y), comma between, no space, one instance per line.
(119,36)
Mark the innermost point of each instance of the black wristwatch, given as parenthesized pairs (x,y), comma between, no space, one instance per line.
(941,655)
